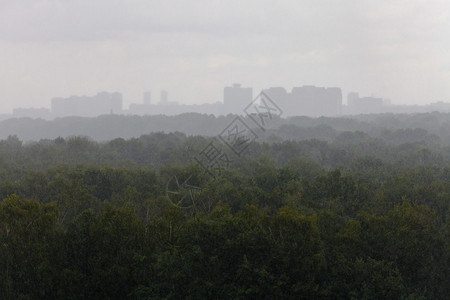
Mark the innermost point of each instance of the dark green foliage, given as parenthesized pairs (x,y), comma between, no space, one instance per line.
(345,217)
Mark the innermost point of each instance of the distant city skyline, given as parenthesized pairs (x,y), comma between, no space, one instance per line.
(151,96)
(155,96)
(389,49)
(306,100)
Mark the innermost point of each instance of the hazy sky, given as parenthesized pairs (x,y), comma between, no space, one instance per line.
(391,49)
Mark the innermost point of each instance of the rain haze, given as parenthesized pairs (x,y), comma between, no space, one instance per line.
(390,49)
(224,149)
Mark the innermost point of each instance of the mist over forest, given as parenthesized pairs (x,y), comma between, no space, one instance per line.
(133,207)
(291,149)
(104,128)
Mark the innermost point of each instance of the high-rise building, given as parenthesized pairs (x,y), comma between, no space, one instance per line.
(307,100)
(101,104)
(147,98)
(364,105)
(164,97)
(236,98)
(352,98)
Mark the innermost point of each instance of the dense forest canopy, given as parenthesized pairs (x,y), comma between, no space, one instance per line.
(341,208)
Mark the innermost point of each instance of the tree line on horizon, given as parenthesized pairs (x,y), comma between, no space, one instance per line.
(388,127)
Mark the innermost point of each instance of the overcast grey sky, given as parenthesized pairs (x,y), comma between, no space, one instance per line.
(391,49)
